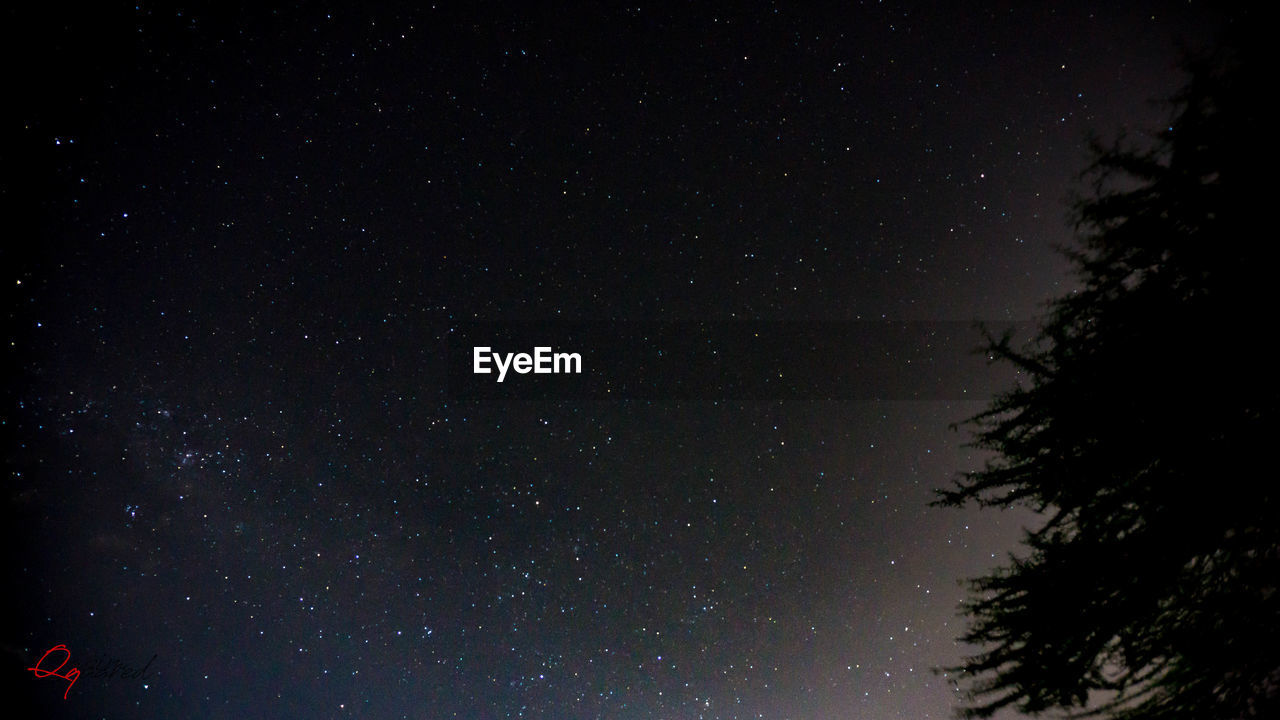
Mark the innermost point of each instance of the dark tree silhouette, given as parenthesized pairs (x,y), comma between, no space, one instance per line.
(1145,434)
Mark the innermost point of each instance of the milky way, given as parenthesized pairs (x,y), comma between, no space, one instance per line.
(258,250)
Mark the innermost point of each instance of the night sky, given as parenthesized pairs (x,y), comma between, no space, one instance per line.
(250,252)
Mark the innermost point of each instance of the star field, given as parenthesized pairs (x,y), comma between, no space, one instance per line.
(247,247)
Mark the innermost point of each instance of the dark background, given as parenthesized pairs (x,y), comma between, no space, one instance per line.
(246,245)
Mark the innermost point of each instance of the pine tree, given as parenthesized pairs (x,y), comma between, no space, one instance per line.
(1143,436)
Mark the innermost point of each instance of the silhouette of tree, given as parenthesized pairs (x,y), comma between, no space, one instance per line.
(1142,432)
